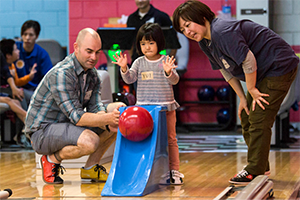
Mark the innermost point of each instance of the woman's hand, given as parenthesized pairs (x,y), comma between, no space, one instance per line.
(258,98)
(243,106)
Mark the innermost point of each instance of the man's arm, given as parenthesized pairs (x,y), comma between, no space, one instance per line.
(94,119)
(102,119)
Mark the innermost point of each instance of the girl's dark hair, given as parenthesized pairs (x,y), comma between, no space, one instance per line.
(7,46)
(151,31)
(192,10)
(31,24)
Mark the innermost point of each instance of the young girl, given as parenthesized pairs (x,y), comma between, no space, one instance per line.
(155,75)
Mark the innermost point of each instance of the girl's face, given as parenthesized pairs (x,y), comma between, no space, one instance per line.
(149,49)
(193,30)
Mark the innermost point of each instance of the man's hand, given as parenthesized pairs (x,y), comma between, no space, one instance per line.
(32,71)
(115,115)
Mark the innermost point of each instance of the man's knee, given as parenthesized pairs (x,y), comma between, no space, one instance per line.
(88,140)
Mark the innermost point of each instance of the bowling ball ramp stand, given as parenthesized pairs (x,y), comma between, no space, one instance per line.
(259,188)
(137,166)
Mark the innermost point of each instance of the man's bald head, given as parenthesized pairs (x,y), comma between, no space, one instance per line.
(87,31)
(87,48)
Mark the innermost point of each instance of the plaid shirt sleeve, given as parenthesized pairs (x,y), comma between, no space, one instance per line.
(66,94)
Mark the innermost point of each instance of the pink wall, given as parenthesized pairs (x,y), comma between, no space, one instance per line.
(95,13)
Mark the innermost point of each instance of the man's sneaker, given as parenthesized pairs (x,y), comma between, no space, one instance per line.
(50,171)
(242,178)
(96,173)
(172,177)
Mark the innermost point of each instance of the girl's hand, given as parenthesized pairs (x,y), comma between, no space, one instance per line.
(121,60)
(169,64)
(258,98)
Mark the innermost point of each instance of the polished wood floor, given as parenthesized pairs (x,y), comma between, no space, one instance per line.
(206,175)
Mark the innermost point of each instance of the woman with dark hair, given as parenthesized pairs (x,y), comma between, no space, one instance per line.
(244,51)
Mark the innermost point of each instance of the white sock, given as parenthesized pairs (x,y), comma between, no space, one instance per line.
(87,168)
(49,160)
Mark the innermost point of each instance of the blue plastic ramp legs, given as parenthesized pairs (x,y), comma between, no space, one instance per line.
(137,166)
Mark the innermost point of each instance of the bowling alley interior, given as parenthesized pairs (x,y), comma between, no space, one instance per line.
(209,134)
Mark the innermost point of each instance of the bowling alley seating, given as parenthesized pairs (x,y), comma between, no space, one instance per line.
(106,96)
(54,49)
(280,130)
(9,124)
(3,107)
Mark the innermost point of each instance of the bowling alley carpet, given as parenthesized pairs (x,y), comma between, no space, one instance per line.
(230,141)
(227,142)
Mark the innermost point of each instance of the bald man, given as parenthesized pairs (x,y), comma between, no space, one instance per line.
(66,118)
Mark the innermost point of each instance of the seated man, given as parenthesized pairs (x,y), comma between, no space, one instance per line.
(66,118)
(31,54)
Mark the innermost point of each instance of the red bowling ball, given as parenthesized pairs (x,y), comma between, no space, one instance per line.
(136,123)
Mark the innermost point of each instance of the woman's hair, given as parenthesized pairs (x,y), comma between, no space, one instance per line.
(7,46)
(192,10)
(31,24)
(151,31)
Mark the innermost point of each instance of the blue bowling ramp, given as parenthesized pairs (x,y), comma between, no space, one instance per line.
(137,166)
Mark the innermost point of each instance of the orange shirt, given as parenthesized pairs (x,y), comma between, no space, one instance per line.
(18,81)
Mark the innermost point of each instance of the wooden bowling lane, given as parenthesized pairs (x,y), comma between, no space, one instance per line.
(206,175)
